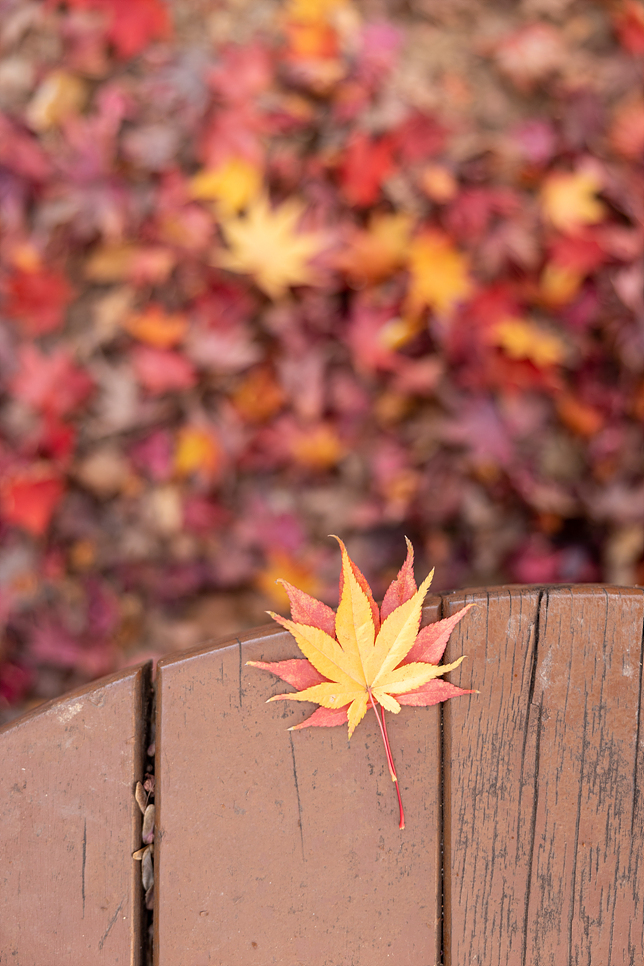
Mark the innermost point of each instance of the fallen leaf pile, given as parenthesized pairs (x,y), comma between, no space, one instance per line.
(273,269)
(363,656)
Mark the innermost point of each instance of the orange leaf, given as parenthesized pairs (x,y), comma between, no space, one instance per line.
(270,582)
(158,328)
(376,252)
(259,396)
(318,447)
(578,416)
(439,274)
(359,663)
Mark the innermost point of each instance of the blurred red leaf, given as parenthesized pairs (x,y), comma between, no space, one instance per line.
(365,164)
(38,299)
(28,498)
(132,24)
(162,370)
(51,384)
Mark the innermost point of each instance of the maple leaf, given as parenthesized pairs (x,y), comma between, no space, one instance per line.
(267,245)
(366,163)
(568,199)
(50,384)
(366,656)
(132,23)
(28,498)
(156,327)
(374,253)
(38,298)
(233,184)
(522,339)
(439,275)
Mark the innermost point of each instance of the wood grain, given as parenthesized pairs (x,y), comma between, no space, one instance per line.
(283,847)
(543,816)
(70,892)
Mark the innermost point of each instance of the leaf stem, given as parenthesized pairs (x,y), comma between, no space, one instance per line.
(390,761)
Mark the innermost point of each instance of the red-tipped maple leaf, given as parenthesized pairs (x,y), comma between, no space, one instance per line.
(363,656)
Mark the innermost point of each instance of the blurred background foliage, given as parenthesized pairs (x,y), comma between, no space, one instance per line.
(271,271)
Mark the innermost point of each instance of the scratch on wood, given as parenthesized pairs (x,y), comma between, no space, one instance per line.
(241,693)
(110,924)
(637,739)
(83,866)
(533,826)
(575,850)
(297,792)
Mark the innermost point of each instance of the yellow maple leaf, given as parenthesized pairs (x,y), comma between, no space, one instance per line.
(313,11)
(522,339)
(197,452)
(232,185)
(377,251)
(364,656)
(568,199)
(61,95)
(266,243)
(439,274)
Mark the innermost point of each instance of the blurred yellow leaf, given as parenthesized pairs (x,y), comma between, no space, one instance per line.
(568,200)
(265,243)
(521,339)
(558,285)
(281,566)
(197,452)
(125,260)
(313,11)
(60,95)
(439,275)
(377,251)
(233,185)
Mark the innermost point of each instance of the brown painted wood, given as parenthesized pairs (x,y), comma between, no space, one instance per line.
(543,815)
(283,847)
(69,891)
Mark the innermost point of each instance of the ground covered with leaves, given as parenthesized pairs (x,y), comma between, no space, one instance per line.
(274,271)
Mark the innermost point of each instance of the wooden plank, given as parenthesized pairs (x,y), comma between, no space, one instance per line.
(543,819)
(70,892)
(283,847)
(486,865)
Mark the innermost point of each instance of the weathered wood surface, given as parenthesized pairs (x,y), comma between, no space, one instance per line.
(70,893)
(543,773)
(283,847)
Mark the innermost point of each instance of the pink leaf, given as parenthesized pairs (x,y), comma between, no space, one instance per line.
(301,674)
(432,640)
(431,693)
(402,588)
(323,718)
(307,610)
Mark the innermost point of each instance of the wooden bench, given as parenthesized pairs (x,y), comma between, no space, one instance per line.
(524,837)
